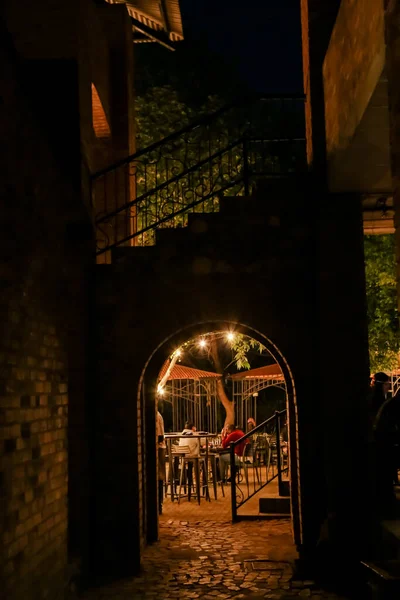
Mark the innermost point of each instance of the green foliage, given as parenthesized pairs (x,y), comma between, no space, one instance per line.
(173,171)
(241,347)
(383,324)
(190,172)
(160,112)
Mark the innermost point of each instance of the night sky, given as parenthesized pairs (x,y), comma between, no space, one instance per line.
(261,38)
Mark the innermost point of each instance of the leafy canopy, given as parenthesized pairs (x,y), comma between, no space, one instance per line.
(383,324)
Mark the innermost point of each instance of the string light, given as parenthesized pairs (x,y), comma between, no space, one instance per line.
(202,343)
(160,390)
(230,336)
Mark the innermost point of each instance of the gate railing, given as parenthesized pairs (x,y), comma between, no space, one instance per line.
(189,170)
(265,457)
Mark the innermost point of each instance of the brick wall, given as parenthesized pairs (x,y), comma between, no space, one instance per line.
(307,296)
(317,20)
(392,31)
(352,67)
(141,304)
(42,261)
(306,77)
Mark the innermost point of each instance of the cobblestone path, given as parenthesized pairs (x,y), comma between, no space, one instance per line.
(211,560)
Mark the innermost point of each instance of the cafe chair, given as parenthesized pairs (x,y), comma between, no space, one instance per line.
(247,462)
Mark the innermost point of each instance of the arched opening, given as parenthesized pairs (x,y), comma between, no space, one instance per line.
(149,396)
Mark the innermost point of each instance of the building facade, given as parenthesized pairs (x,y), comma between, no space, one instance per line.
(82,344)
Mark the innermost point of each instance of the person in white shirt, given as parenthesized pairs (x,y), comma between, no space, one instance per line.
(189,440)
(161,446)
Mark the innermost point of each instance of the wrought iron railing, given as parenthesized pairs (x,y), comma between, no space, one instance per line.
(189,170)
(265,458)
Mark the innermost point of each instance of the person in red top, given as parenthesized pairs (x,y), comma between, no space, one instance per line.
(230,434)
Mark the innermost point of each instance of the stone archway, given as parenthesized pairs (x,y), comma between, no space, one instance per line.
(130,322)
(147,401)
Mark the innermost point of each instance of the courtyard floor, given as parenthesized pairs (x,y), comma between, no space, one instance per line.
(202,555)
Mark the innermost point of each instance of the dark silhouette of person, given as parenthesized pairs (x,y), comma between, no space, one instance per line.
(161,449)
(383,436)
(380,386)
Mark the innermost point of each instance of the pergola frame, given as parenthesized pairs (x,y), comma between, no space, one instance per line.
(246,386)
(245,392)
(193,400)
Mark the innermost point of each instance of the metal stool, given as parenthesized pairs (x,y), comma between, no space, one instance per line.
(195,461)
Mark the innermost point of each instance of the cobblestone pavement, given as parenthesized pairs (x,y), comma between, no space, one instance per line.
(213,560)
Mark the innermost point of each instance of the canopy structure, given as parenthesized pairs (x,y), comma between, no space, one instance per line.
(154,20)
(192,393)
(247,384)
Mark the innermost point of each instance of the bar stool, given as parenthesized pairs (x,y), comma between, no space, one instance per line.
(192,462)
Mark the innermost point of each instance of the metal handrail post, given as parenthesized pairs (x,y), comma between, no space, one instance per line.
(233,483)
(278,452)
(246,174)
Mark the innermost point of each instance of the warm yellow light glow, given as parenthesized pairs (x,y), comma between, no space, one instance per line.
(202,343)
(178,352)
(230,336)
(160,390)
(100,123)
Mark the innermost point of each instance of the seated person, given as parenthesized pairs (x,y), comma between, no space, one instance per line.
(230,434)
(189,439)
(250,424)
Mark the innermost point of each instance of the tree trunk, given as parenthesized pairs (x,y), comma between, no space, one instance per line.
(165,377)
(222,397)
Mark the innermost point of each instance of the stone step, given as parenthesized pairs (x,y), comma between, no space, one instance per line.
(214,229)
(232,221)
(240,206)
(274,505)
(128,254)
(383,578)
(168,236)
(273,516)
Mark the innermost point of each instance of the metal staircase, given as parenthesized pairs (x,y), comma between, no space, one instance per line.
(225,153)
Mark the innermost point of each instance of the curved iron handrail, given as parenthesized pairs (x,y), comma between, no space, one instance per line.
(235,485)
(190,169)
(205,120)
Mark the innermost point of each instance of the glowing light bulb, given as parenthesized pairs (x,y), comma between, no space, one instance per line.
(230,337)
(178,352)
(202,343)
(160,390)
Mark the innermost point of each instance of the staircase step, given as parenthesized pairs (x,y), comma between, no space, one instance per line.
(383,578)
(216,222)
(285,489)
(128,254)
(274,505)
(254,211)
(167,236)
(236,205)
(272,516)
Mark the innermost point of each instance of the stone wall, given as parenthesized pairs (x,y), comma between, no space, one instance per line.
(45,247)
